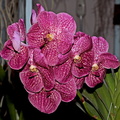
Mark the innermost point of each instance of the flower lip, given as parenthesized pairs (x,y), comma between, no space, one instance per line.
(33,68)
(77,58)
(95,67)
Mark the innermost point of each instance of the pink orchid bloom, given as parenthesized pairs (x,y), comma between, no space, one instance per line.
(45,92)
(48,101)
(102,61)
(78,63)
(14,50)
(53,33)
(36,76)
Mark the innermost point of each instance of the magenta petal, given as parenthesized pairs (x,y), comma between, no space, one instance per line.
(64,41)
(67,91)
(95,78)
(79,82)
(48,78)
(19,59)
(22,29)
(62,71)
(40,8)
(82,45)
(8,51)
(48,21)
(51,53)
(39,58)
(33,17)
(62,58)
(35,36)
(80,72)
(100,45)
(16,41)
(46,102)
(108,60)
(11,29)
(66,22)
(32,81)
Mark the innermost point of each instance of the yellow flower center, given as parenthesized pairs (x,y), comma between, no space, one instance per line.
(77,58)
(95,67)
(50,37)
(33,68)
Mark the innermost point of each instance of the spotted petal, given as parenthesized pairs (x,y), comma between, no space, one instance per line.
(66,22)
(64,42)
(62,71)
(51,53)
(32,81)
(48,78)
(19,59)
(39,58)
(8,51)
(48,21)
(67,91)
(80,72)
(108,60)
(46,102)
(95,77)
(100,45)
(79,82)
(82,45)
(35,36)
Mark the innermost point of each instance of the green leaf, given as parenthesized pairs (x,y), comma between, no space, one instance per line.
(90,97)
(110,81)
(101,107)
(2,74)
(91,104)
(117,116)
(104,95)
(11,109)
(21,116)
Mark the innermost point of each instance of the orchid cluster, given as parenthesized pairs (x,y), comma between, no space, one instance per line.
(54,60)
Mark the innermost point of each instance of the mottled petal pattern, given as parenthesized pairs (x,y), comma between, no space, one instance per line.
(8,51)
(48,21)
(64,42)
(100,45)
(79,82)
(46,102)
(95,77)
(67,91)
(35,36)
(51,53)
(48,78)
(62,71)
(19,59)
(39,58)
(32,81)
(108,60)
(66,22)
(82,45)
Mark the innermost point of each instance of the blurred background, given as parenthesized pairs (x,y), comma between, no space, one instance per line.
(94,17)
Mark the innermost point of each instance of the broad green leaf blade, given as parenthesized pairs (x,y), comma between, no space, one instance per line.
(117,116)
(101,107)
(104,95)
(93,110)
(90,97)
(110,81)
(91,104)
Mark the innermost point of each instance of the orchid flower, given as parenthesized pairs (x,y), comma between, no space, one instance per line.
(14,50)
